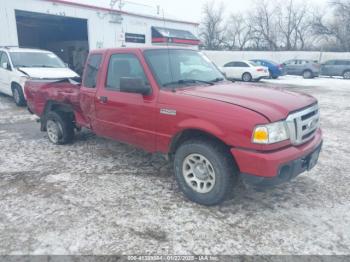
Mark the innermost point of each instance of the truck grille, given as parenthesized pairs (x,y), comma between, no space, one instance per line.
(303,124)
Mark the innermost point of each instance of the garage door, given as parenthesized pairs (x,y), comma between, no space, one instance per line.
(65,36)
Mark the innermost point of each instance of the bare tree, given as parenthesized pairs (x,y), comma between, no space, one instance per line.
(239,32)
(263,20)
(213,29)
(335,30)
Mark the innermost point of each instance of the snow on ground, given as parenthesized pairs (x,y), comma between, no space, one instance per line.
(326,82)
(98,196)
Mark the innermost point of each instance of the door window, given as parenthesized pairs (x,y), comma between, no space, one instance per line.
(92,66)
(331,62)
(340,62)
(123,65)
(241,64)
(231,64)
(4,59)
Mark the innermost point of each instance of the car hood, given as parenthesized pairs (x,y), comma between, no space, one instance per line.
(47,73)
(273,103)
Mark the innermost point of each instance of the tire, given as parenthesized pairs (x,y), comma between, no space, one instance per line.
(199,186)
(247,77)
(307,74)
(18,95)
(274,77)
(346,74)
(59,128)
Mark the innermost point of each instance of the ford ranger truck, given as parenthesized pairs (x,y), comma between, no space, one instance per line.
(176,102)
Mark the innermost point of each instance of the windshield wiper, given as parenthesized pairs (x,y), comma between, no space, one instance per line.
(43,66)
(218,79)
(188,81)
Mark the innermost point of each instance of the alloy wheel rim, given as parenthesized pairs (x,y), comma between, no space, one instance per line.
(246,78)
(198,173)
(54,131)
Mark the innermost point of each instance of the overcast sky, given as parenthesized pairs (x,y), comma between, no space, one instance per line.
(189,10)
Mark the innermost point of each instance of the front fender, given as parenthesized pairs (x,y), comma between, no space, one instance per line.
(202,125)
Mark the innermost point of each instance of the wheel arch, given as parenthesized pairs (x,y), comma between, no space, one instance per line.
(192,133)
(55,106)
(14,83)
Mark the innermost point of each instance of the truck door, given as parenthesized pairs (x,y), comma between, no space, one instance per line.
(125,116)
(89,86)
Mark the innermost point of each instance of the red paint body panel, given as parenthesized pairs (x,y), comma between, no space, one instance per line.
(266,164)
(228,111)
(175,40)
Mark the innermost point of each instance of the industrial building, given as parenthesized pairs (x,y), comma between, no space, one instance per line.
(71,29)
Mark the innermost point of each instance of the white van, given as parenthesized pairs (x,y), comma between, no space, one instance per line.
(20,64)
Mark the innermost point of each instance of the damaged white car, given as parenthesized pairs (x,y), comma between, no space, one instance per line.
(17,65)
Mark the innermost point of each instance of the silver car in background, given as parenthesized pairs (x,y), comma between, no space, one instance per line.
(336,68)
(301,67)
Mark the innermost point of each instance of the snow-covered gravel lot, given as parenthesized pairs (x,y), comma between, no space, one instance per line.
(98,196)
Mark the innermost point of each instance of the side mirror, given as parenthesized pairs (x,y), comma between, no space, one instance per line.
(134,85)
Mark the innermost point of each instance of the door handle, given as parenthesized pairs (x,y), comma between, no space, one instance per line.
(103,99)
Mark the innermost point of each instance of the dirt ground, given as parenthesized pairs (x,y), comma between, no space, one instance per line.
(98,196)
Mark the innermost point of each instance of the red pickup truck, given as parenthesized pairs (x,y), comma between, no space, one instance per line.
(176,102)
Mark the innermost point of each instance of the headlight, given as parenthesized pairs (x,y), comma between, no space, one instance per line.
(270,133)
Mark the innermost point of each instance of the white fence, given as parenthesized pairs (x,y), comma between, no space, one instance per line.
(222,57)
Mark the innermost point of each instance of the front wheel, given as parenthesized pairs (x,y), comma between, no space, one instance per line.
(205,171)
(346,75)
(18,95)
(59,128)
(307,74)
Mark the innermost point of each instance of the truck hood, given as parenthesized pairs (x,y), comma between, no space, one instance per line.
(273,103)
(47,73)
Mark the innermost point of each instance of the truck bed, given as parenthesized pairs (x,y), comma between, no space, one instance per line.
(40,92)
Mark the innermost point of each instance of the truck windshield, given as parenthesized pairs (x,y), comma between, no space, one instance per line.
(175,67)
(36,59)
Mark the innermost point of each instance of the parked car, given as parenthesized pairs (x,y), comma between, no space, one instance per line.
(19,64)
(275,70)
(214,130)
(306,68)
(246,71)
(336,68)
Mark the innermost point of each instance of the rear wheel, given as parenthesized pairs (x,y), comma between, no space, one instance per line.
(18,95)
(247,77)
(307,74)
(59,128)
(346,75)
(205,171)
